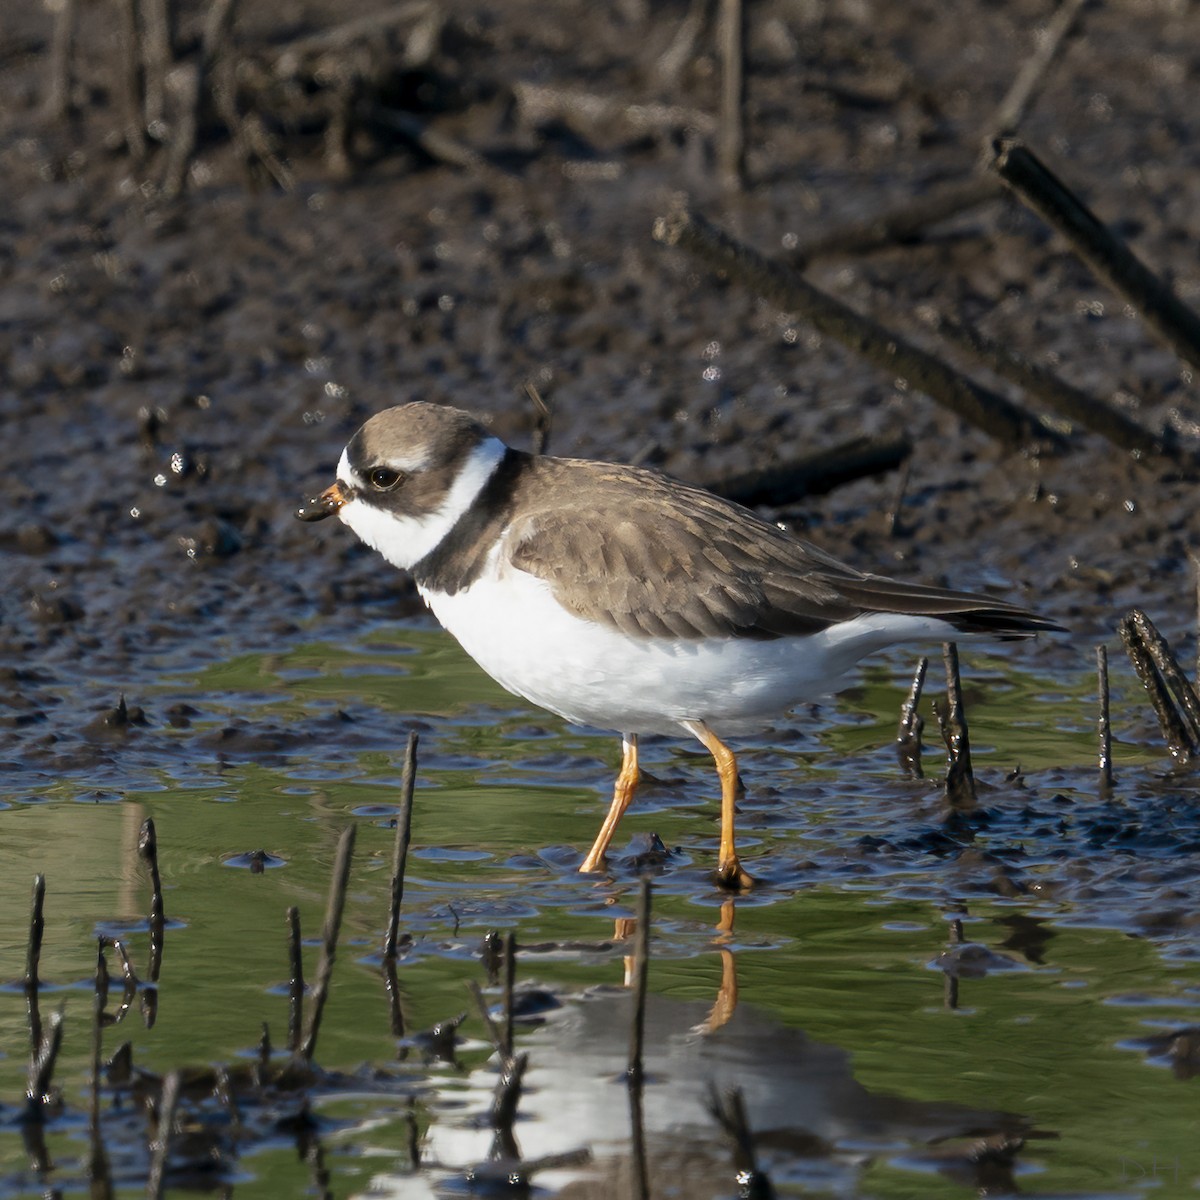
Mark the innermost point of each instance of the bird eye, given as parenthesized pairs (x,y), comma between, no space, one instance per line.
(384,479)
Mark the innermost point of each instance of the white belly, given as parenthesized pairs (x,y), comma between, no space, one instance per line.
(595,675)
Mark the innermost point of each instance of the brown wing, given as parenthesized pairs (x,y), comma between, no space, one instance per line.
(655,558)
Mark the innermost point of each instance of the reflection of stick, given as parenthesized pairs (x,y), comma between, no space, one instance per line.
(635,1075)
(408,781)
(295,980)
(495,1036)
(728,1109)
(1105,253)
(167,1103)
(510,975)
(97,1162)
(989,411)
(334,907)
(641,961)
(41,1067)
(1104,729)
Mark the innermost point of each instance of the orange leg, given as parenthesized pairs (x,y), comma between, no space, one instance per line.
(729,870)
(626,785)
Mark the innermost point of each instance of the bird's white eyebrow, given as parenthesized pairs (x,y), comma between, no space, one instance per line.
(410,465)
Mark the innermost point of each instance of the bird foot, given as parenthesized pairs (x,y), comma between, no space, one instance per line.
(732,876)
(593,864)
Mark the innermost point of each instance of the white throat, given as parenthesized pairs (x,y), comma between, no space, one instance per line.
(404,541)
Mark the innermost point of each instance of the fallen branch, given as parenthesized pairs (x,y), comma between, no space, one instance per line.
(1070,402)
(813,474)
(1107,255)
(1172,697)
(985,409)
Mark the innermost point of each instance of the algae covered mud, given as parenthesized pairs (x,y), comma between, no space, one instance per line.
(205,288)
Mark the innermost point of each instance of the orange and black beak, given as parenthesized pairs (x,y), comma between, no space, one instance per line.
(317,508)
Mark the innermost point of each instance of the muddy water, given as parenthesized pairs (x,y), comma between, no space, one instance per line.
(823,993)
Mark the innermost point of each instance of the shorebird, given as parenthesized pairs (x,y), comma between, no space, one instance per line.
(619,598)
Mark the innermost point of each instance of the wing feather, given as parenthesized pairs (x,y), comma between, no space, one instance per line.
(656,558)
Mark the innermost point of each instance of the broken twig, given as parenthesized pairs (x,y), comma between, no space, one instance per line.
(1107,255)
(985,409)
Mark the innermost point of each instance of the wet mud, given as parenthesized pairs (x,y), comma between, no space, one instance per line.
(176,375)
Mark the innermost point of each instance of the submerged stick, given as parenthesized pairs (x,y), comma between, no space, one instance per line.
(983,408)
(908,736)
(494,1032)
(1103,251)
(634,1072)
(960,777)
(1103,727)
(334,908)
(41,1069)
(99,998)
(635,1075)
(510,976)
(295,980)
(33,959)
(408,781)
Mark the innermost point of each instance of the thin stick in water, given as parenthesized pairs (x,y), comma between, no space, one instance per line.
(400,847)
(908,737)
(960,777)
(641,961)
(1104,728)
(33,959)
(295,980)
(334,908)
(510,976)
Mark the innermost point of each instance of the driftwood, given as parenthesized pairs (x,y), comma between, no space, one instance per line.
(731,136)
(1172,696)
(987,410)
(813,474)
(1103,251)
(1076,405)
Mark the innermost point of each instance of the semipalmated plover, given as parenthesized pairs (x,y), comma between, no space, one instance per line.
(616,597)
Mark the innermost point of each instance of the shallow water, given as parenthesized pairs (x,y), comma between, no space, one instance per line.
(823,989)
